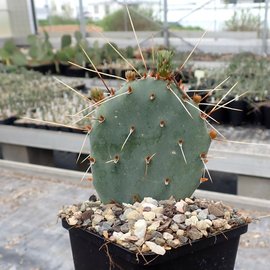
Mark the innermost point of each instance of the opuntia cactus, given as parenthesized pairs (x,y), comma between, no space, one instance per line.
(148,139)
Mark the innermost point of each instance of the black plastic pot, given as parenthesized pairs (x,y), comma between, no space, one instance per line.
(90,251)
(238,117)
(8,121)
(266,116)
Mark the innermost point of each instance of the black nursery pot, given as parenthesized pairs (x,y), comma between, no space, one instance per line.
(238,117)
(90,251)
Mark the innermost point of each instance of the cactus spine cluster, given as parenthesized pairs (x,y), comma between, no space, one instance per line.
(148,139)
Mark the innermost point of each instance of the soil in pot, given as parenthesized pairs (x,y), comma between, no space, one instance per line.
(190,234)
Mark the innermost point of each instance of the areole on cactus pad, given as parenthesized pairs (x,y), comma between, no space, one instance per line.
(149,139)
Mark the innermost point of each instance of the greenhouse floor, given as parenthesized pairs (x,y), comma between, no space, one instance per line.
(32,239)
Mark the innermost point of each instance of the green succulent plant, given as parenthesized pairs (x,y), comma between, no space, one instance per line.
(11,54)
(150,139)
(40,49)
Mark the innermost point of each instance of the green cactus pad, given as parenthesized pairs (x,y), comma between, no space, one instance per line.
(147,144)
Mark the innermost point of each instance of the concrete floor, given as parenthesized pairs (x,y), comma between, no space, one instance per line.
(32,239)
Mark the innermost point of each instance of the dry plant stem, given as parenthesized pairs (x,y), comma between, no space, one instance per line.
(215,89)
(52,123)
(139,251)
(196,45)
(225,107)
(111,263)
(88,169)
(102,73)
(152,260)
(261,217)
(203,90)
(86,158)
(109,98)
(153,51)
(69,87)
(222,98)
(99,75)
(181,102)
(206,169)
(246,143)
(86,137)
(119,53)
(87,115)
(222,106)
(135,35)
(203,113)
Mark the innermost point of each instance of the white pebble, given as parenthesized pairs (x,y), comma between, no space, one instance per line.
(155,248)
(140,228)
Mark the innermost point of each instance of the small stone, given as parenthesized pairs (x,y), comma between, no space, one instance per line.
(154,225)
(105,226)
(93,198)
(78,215)
(182,239)
(145,248)
(174,243)
(140,242)
(227,226)
(179,218)
(227,215)
(167,236)
(158,210)
(180,232)
(132,238)
(216,210)
(174,227)
(203,214)
(148,216)
(181,206)
(133,215)
(203,224)
(83,207)
(72,221)
(87,214)
(155,248)
(165,225)
(219,223)
(159,241)
(189,201)
(109,217)
(97,219)
(140,228)
(191,221)
(194,234)
(105,234)
(211,217)
(124,228)
(193,207)
(150,200)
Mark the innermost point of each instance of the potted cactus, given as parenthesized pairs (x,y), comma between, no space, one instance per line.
(149,143)
(41,54)
(11,55)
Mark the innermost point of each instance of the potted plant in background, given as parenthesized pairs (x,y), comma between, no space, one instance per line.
(11,55)
(41,54)
(149,143)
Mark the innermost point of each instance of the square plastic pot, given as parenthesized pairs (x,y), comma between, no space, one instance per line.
(90,251)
